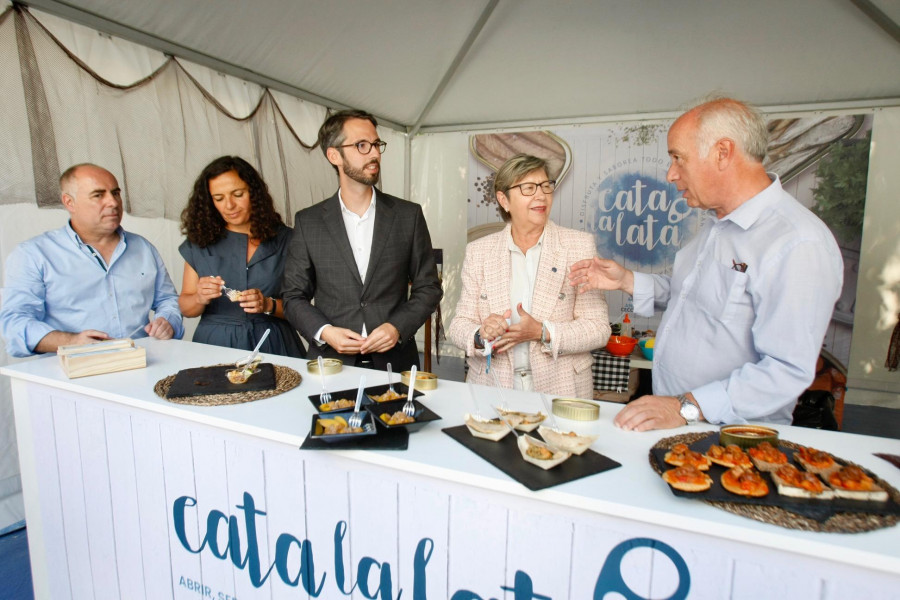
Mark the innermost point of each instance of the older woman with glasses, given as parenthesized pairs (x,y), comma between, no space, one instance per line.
(518,316)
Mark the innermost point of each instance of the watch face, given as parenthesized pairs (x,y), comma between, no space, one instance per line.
(689,411)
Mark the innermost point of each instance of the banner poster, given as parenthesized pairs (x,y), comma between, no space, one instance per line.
(611,181)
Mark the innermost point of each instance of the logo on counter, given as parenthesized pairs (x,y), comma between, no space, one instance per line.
(244,554)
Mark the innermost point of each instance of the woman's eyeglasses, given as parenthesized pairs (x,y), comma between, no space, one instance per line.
(529,189)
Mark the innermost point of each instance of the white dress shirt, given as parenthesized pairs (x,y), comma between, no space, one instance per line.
(523,271)
(360,231)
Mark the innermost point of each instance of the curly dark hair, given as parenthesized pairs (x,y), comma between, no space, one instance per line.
(202,224)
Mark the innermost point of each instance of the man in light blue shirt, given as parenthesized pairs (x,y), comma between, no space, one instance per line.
(89,280)
(749,297)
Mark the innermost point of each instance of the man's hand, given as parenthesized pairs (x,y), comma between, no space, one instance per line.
(53,340)
(650,412)
(160,329)
(381,339)
(526,330)
(343,340)
(600,274)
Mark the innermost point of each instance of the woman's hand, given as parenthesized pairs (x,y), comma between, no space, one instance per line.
(209,288)
(253,301)
(526,330)
(494,326)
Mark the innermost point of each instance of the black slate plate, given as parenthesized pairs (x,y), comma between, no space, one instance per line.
(505,456)
(351,394)
(203,381)
(384,439)
(818,510)
(422,416)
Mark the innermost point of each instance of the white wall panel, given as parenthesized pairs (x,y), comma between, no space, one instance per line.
(124,504)
(71,486)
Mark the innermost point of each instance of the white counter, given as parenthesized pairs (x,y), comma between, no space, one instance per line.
(586,519)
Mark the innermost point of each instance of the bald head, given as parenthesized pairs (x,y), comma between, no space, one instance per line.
(92,196)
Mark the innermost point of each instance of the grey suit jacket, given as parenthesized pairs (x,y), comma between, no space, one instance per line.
(402,286)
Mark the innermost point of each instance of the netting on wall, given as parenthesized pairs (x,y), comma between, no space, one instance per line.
(155,134)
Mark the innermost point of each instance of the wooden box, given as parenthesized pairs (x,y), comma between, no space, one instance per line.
(101,357)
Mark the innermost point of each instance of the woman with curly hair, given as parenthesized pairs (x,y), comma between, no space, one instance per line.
(235,238)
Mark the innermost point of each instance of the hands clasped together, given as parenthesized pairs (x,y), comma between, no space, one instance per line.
(497,328)
(346,341)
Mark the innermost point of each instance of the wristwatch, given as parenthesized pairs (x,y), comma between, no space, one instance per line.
(479,343)
(689,411)
(274,306)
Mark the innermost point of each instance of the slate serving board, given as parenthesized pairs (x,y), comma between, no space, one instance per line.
(505,456)
(818,510)
(204,381)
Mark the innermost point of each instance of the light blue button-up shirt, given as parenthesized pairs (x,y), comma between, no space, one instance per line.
(56,282)
(746,309)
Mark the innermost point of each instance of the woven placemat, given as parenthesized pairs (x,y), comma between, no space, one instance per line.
(285,379)
(839,523)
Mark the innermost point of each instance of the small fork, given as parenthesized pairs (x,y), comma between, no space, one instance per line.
(231,294)
(391,380)
(325,396)
(356,419)
(409,409)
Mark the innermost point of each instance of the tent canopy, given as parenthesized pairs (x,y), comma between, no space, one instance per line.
(433,64)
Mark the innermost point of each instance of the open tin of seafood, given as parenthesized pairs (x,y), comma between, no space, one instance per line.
(332,366)
(747,436)
(424,380)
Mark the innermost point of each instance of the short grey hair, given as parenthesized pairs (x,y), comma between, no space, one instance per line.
(722,117)
(512,171)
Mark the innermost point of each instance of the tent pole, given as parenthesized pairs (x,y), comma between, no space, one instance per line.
(879,18)
(451,70)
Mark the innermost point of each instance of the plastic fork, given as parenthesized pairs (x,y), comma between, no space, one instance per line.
(325,396)
(232,294)
(356,419)
(409,409)
(248,360)
(391,380)
(550,415)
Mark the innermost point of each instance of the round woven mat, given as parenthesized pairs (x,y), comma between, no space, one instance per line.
(844,522)
(285,379)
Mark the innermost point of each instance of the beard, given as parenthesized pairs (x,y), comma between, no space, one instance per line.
(360,175)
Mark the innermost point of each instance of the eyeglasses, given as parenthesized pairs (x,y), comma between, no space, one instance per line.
(365,146)
(529,189)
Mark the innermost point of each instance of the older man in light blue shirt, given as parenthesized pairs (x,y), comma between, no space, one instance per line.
(750,296)
(89,280)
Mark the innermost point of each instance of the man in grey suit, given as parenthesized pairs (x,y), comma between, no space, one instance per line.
(365,258)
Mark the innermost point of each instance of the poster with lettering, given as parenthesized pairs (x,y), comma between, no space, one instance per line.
(611,181)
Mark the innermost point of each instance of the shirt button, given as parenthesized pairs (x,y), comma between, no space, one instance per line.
(362,304)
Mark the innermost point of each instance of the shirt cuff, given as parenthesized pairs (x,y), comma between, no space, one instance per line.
(318,338)
(34,332)
(715,403)
(642,294)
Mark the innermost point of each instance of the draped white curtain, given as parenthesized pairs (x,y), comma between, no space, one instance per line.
(71,94)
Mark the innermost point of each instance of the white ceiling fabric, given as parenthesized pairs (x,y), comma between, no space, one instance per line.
(534,60)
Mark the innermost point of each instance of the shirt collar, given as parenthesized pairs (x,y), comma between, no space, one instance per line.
(346,210)
(748,213)
(73,235)
(511,245)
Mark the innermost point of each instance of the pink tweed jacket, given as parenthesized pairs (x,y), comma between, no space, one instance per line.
(581,321)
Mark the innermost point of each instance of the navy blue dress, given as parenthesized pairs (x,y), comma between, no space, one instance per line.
(223,322)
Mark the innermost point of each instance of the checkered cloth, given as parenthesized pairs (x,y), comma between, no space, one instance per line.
(610,372)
